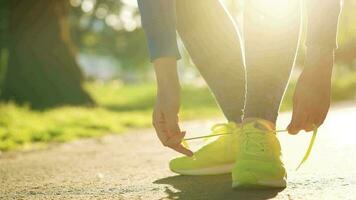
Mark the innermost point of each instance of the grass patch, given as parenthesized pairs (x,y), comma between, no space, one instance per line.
(119,109)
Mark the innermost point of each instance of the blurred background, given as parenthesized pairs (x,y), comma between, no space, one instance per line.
(79,68)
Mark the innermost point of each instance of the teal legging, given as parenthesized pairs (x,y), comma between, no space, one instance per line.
(268,49)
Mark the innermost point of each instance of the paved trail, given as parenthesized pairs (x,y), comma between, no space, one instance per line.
(134,166)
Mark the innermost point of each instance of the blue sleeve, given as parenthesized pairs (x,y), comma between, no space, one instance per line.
(159,22)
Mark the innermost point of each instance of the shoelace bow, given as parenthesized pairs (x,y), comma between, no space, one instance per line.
(231,128)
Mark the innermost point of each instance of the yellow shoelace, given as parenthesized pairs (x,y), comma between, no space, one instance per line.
(230,128)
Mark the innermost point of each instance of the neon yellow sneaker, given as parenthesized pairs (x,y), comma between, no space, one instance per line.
(258,163)
(217,157)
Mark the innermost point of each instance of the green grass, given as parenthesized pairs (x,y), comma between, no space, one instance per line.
(119,109)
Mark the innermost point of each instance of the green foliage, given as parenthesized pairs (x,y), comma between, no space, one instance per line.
(120,108)
(344,88)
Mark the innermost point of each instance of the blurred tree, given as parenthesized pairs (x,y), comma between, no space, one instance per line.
(3,50)
(110,28)
(42,70)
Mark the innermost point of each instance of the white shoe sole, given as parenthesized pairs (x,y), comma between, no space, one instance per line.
(222,169)
(263,184)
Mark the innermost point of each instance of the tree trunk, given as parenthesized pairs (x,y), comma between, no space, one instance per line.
(42,70)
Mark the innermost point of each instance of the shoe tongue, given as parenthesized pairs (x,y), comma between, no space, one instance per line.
(264,125)
(261,124)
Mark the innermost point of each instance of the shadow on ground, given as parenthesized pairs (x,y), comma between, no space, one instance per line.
(210,188)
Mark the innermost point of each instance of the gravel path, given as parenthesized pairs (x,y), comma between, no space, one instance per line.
(134,166)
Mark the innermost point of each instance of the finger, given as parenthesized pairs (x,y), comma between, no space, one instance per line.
(302,122)
(316,123)
(316,120)
(295,113)
(292,127)
(172,126)
(309,127)
(297,123)
(162,136)
(309,124)
(159,126)
(320,119)
(179,148)
(176,139)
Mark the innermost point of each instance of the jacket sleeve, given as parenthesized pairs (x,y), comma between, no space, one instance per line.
(322,22)
(158,19)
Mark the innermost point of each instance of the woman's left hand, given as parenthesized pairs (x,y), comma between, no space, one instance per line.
(311,101)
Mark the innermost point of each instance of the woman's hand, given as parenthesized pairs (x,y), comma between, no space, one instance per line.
(311,99)
(165,114)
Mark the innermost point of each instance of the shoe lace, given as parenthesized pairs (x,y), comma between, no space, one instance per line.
(224,129)
(218,130)
(221,129)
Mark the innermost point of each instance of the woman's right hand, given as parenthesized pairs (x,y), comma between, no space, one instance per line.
(165,114)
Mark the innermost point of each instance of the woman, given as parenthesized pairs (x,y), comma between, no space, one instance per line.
(248,75)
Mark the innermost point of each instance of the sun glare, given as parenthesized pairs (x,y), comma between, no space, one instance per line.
(275,8)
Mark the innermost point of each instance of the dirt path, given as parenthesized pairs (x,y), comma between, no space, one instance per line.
(134,166)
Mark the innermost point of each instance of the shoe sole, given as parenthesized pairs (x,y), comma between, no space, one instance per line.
(249,177)
(222,169)
(260,184)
